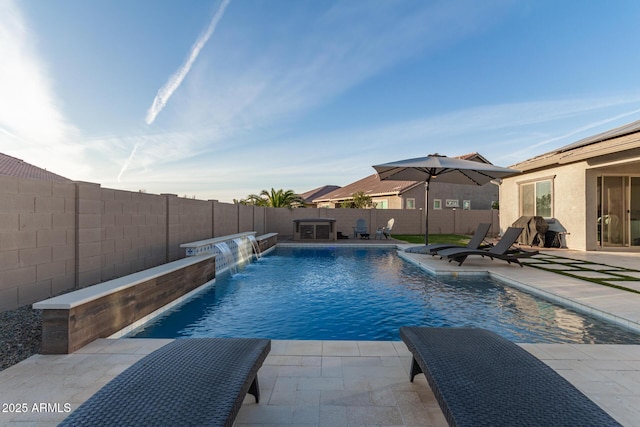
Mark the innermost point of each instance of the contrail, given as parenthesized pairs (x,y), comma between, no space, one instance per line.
(175,80)
(128,161)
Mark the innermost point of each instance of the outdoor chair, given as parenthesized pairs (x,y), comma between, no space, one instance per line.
(360,228)
(502,250)
(190,381)
(482,379)
(385,230)
(474,243)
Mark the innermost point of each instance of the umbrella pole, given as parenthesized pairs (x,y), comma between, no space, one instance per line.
(426,211)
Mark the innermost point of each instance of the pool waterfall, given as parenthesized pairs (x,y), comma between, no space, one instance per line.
(231,251)
(254,244)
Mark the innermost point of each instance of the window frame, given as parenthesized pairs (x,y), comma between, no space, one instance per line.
(534,183)
(413,203)
(381,203)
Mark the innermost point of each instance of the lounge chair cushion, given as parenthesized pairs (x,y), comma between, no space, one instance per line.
(192,381)
(482,379)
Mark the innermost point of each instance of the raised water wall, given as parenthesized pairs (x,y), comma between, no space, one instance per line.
(231,250)
(72,320)
(115,307)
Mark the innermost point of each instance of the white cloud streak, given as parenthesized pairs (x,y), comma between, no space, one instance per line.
(165,92)
(128,161)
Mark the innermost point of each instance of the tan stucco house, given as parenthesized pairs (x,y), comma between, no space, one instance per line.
(591,188)
(411,194)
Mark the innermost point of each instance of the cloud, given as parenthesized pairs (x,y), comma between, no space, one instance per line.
(278,71)
(165,92)
(501,132)
(211,164)
(32,122)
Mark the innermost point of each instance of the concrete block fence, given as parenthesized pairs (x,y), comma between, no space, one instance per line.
(56,237)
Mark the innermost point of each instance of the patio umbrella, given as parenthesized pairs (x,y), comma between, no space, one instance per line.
(443,169)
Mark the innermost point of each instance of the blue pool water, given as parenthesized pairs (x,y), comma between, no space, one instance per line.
(346,293)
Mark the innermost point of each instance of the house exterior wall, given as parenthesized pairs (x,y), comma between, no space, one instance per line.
(575,194)
(416,193)
(480,197)
(571,190)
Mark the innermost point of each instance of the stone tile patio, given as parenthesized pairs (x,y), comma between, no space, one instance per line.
(318,383)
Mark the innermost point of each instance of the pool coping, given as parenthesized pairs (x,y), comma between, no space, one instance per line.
(596,300)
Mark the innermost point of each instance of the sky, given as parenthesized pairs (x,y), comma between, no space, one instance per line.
(219,99)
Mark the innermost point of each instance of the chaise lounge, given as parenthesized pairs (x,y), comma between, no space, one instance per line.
(474,243)
(502,250)
(191,381)
(482,379)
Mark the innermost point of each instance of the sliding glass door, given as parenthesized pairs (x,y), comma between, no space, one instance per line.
(619,211)
(634,212)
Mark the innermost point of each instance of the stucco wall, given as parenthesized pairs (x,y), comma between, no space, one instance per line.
(480,197)
(569,193)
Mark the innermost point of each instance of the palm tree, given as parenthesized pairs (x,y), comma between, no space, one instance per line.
(275,199)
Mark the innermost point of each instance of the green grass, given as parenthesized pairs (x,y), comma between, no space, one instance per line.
(454,239)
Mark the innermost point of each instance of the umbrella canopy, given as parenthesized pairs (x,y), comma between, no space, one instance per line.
(444,169)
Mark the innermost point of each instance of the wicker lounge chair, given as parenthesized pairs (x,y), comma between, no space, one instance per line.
(193,381)
(482,379)
(502,250)
(474,243)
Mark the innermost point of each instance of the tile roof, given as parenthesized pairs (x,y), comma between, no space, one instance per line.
(310,195)
(12,166)
(371,186)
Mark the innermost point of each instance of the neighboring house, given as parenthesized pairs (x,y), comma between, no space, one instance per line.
(591,188)
(410,194)
(310,195)
(15,167)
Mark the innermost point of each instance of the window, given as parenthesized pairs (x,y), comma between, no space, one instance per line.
(437,203)
(536,199)
(381,204)
(411,204)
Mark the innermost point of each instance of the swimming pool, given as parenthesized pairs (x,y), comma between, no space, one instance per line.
(343,293)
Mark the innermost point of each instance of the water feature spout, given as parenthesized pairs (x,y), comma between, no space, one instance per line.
(244,250)
(226,259)
(254,244)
